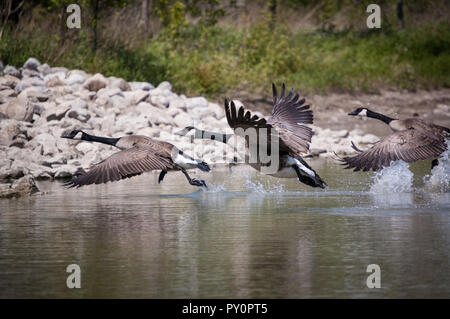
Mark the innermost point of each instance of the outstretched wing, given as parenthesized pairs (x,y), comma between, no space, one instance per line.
(287,116)
(287,113)
(409,146)
(124,164)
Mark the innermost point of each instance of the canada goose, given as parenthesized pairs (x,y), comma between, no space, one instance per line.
(138,154)
(412,140)
(292,138)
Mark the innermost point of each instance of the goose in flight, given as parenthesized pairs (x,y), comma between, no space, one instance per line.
(413,139)
(138,154)
(283,129)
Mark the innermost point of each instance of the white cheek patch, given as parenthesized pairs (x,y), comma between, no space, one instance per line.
(184,161)
(294,161)
(305,169)
(363,112)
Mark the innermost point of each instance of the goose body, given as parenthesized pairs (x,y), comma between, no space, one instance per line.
(413,139)
(285,125)
(138,154)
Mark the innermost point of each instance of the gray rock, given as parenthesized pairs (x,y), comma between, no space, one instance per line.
(141,86)
(195,102)
(65,171)
(53,112)
(26,73)
(19,109)
(22,187)
(44,144)
(28,82)
(9,81)
(9,130)
(178,103)
(43,68)
(160,101)
(165,85)
(10,70)
(76,76)
(121,84)
(32,64)
(79,114)
(182,120)
(139,96)
(96,82)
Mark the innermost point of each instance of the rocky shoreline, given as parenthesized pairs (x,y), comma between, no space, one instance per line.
(39,102)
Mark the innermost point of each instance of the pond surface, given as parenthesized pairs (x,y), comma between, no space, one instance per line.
(249,236)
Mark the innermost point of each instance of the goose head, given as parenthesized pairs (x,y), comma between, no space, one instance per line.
(73,135)
(362,111)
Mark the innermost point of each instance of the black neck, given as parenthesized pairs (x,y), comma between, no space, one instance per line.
(104,140)
(378,116)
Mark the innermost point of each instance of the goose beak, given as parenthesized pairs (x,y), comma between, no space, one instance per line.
(353,113)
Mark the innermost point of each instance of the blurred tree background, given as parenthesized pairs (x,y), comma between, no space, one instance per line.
(213,47)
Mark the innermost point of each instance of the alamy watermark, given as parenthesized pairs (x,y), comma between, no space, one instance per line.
(374,279)
(374,19)
(74,279)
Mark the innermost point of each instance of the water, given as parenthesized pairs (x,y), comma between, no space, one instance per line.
(246,237)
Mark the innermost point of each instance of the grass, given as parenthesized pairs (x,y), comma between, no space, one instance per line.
(212,61)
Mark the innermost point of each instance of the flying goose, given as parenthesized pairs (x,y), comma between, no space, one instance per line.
(293,139)
(412,140)
(138,154)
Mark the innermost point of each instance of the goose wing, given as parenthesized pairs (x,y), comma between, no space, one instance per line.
(287,113)
(409,146)
(124,164)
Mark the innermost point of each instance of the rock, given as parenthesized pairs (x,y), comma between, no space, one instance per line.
(182,120)
(10,70)
(43,68)
(22,187)
(28,82)
(196,102)
(79,114)
(218,110)
(139,96)
(19,109)
(9,81)
(141,86)
(165,85)
(57,69)
(35,94)
(45,144)
(95,82)
(54,81)
(76,76)
(178,103)
(65,171)
(160,101)
(9,130)
(32,64)
(121,84)
(26,73)
(86,147)
(53,112)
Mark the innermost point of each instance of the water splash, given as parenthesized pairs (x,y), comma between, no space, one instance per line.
(258,188)
(214,188)
(396,178)
(439,179)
